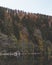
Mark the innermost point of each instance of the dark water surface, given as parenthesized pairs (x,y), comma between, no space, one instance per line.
(25,60)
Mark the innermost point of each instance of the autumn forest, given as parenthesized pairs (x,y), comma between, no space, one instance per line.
(28,33)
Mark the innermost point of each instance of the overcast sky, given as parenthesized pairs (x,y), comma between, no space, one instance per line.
(34,6)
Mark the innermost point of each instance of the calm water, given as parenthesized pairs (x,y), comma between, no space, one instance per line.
(24,60)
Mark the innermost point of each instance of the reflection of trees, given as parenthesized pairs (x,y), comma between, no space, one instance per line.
(47,51)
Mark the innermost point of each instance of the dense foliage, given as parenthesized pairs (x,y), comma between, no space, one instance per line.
(26,32)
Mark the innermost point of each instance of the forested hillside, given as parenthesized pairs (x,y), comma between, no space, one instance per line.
(26,32)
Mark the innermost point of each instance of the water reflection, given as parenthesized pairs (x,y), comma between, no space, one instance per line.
(25,60)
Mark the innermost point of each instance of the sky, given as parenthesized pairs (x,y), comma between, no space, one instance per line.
(32,6)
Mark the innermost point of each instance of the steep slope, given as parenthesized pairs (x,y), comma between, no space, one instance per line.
(26,32)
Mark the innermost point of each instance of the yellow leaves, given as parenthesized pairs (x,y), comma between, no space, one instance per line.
(23,34)
(41,45)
